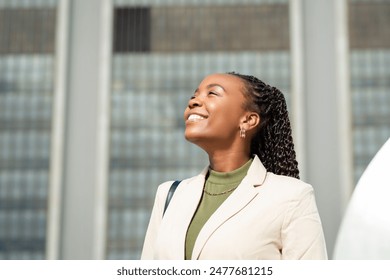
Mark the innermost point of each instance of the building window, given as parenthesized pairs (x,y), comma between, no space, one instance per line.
(131,29)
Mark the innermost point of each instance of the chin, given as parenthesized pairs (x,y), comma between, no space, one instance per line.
(190,137)
(194,138)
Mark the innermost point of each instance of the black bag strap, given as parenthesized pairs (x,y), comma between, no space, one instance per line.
(171,191)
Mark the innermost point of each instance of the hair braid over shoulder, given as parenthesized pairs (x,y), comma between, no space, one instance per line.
(273,142)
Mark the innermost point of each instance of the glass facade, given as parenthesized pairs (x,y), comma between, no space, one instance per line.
(27,31)
(160,54)
(161,50)
(369,25)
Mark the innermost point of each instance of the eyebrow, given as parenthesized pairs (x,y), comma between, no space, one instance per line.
(210,86)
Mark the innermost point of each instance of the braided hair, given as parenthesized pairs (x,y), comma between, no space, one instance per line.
(272,142)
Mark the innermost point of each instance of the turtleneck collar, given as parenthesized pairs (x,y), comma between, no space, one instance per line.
(229,178)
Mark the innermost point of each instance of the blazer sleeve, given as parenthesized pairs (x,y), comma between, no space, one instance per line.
(148,251)
(302,234)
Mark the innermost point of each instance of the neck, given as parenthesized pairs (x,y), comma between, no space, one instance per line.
(226,156)
(227,161)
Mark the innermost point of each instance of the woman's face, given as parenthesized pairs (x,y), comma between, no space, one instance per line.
(214,111)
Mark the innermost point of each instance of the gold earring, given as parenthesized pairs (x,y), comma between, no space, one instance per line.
(242,133)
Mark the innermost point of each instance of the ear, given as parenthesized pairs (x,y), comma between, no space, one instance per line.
(250,121)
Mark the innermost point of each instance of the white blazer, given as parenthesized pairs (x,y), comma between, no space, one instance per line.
(268,216)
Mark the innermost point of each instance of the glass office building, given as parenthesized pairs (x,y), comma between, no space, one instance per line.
(159,52)
(27,35)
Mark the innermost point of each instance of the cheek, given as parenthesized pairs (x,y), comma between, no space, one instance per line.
(227,123)
(230,113)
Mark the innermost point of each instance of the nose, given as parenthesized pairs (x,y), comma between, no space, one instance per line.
(195,102)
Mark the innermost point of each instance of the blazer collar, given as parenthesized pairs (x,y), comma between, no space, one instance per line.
(239,199)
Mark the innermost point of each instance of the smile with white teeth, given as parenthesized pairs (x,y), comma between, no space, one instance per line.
(194,117)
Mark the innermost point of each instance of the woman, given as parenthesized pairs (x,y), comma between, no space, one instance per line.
(249,202)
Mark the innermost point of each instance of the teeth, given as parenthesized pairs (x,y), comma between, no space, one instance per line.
(194,117)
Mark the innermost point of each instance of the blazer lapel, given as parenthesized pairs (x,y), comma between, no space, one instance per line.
(240,198)
(179,215)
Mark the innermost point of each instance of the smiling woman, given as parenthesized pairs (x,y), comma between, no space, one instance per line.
(213,119)
(249,202)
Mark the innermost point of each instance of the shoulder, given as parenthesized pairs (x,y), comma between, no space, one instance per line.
(292,196)
(288,188)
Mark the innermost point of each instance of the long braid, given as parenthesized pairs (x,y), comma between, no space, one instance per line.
(273,141)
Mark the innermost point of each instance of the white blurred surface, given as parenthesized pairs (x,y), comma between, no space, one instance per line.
(365,229)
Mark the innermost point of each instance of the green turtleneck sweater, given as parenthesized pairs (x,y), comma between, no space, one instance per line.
(218,187)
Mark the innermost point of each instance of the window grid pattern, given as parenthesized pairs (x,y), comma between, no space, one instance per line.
(26,95)
(26,87)
(369,23)
(370,78)
(149,93)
